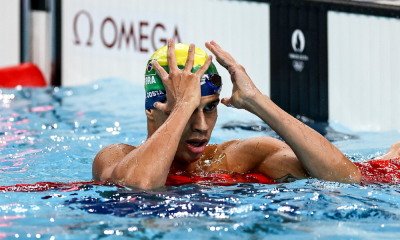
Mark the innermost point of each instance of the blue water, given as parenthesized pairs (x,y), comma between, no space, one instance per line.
(54,134)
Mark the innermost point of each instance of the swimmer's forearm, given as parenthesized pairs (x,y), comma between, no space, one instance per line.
(148,165)
(319,157)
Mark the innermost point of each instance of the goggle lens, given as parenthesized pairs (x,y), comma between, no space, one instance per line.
(215,79)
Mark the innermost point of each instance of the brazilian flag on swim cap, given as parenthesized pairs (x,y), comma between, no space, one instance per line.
(155,90)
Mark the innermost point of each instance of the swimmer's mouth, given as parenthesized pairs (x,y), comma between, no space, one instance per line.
(196,146)
(197,142)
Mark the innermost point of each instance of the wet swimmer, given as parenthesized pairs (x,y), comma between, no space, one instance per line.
(182,93)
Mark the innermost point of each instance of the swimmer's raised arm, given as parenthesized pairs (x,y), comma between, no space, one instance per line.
(148,165)
(320,158)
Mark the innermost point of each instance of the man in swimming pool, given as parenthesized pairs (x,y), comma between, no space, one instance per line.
(180,128)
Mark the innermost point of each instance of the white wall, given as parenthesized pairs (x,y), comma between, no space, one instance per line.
(364,71)
(9,32)
(242,28)
(41,42)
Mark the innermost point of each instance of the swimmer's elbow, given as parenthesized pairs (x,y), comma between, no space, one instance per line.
(145,184)
(353,177)
(351,180)
(148,185)
(348,175)
(135,181)
(347,172)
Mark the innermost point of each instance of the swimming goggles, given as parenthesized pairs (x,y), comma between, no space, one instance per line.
(210,84)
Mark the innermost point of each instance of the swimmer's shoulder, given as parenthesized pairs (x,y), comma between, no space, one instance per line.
(106,160)
(119,149)
(245,155)
(253,145)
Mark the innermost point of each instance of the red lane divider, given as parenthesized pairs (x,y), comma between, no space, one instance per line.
(373,172)
(380,171)
(218,179)
(45,186)
(172,180)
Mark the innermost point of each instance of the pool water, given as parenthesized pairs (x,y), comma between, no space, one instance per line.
(53,135)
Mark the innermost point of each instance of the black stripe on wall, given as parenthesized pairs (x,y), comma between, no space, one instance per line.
(24,30)
(40,5)
(57,43)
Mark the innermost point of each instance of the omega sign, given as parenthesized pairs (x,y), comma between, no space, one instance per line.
(298,45)
(114,33)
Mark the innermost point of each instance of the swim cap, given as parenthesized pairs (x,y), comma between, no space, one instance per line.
(155,90)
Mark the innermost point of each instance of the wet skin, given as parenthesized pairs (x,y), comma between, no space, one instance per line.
(197,132)
(179,129)
(265,155)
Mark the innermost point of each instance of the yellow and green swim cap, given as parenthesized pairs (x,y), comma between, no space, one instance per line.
(155,90)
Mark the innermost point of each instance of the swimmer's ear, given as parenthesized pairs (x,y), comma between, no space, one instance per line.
(150,114)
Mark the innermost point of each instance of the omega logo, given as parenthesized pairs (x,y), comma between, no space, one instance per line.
(77,39)
(122,33)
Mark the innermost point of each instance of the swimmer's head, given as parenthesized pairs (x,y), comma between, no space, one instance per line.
(155,90)
(198,129)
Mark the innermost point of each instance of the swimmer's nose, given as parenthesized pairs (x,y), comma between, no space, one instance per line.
(199,123)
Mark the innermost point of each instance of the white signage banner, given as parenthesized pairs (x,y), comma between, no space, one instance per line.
(114,39)
(10,33)
(122,33)
(364,71)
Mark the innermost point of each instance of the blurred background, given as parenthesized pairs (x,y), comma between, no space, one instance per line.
(327,60)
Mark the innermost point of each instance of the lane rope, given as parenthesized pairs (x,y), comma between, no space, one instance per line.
(373,172)
(172,180)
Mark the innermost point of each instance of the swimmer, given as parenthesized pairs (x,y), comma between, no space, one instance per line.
(182,87)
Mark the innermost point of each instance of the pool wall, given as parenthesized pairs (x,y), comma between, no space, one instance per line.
(364,71)
(324,59)
(9,30)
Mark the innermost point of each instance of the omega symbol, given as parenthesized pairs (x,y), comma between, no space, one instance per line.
(89,17)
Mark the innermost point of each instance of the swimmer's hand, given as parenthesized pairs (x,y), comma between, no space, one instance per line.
(243,87)
(182,86)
